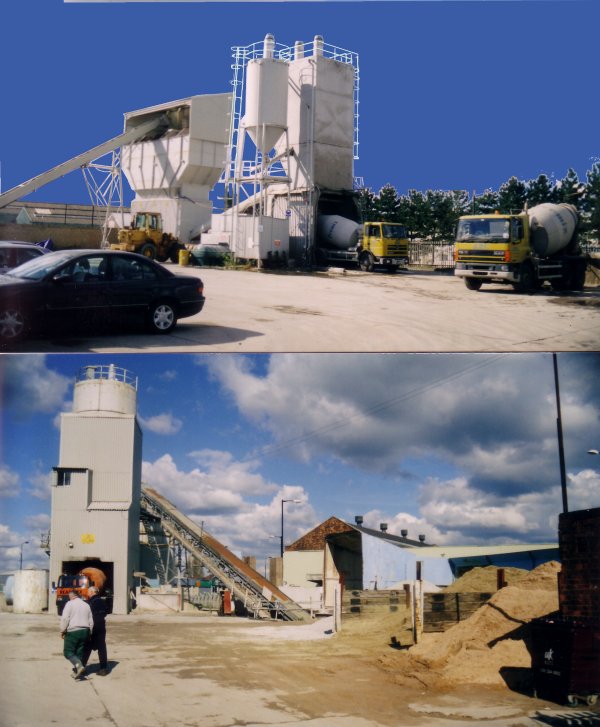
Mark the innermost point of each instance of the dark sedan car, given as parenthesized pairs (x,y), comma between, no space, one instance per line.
(89,290)
(14,253)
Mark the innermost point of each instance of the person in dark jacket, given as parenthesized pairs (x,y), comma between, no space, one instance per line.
(97,641)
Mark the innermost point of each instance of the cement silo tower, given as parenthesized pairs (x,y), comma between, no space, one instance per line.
(299,105)
(96,485)
(174,168)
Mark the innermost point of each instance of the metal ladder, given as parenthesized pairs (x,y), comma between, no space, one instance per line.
(262,600)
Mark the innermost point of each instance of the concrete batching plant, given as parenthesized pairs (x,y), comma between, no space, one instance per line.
(281,146)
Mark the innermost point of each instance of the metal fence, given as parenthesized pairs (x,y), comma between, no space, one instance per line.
(427,253)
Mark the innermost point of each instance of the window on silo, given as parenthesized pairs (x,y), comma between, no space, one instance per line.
(63,478)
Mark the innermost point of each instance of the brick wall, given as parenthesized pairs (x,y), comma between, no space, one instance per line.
(579,579)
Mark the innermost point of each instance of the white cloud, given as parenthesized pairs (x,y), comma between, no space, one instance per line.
(491,417)
(9,482)
(41,484)
(220,493)
(30,387)
(162,424)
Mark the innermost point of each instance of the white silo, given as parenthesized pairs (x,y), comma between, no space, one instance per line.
(265,117)
(96,485)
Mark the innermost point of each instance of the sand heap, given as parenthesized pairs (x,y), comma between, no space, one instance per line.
(484,580)
(495,637)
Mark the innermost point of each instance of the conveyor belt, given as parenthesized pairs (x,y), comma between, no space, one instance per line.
(81,160)
(259,596)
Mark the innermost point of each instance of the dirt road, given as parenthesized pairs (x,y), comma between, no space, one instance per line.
(249,311)
(218,672)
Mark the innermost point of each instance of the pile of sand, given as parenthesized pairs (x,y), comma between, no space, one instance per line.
(491,641)
(484,580)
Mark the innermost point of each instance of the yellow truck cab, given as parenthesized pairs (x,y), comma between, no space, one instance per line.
(382,243)
(523,249)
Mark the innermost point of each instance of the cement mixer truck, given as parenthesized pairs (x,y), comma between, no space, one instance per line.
(524,250)
(80,582)
(341,240)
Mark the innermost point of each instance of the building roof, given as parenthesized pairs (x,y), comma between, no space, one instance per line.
(395,539)
(315,538)
(469,551)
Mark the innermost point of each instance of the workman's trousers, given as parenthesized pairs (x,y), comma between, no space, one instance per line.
(96,642)
(74,644)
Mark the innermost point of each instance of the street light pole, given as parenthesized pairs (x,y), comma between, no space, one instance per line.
(296,501)
(21,557)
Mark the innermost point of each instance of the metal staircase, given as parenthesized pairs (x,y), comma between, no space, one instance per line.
(260,597)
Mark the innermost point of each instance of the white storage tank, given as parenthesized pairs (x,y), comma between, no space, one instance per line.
(552,227)
(30,591)
(338,231)
(265,113)
(105,388)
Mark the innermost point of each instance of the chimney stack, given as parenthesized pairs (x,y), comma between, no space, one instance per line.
(383,527)
(404,533)
(358,519)
(422,538)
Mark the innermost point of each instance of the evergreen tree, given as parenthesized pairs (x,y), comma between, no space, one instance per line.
(540,190)
(365,200)
(387,204)
(512,196)
(405,215)
(570,189)
(486,203)
(420,213)
(590,203)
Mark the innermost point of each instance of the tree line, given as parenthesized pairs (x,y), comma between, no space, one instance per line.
(433,214)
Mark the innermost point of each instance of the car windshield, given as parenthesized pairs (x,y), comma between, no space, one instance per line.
(41,266)
(495,228)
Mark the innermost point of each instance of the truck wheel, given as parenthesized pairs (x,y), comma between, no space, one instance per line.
(473,283)
(162,317)
(148,249)
(577,277)
(527,279)
(366,262)
(174,252)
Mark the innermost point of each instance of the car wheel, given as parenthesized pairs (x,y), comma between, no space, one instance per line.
(13,324)
(162,317)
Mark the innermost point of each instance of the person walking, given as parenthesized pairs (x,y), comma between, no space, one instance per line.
(97,640)
(76,625)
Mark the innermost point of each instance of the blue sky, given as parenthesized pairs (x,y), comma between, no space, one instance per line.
(454,95)
(462,448)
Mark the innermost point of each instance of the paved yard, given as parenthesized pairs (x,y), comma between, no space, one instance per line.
(250,311)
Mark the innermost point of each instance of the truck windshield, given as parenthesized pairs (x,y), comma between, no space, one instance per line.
(67,581)
(140,221)
(485,228)
(393,231)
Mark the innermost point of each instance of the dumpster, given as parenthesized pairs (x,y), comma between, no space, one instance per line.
(565,659)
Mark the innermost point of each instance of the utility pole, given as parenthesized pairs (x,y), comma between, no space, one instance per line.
(561,451)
